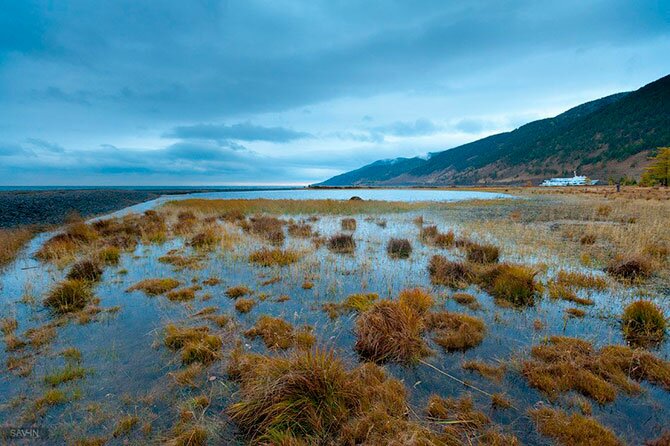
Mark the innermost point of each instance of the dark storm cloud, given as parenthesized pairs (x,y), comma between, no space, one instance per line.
(243,132)
(82,73)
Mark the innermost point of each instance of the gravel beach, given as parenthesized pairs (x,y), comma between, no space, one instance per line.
(51,207)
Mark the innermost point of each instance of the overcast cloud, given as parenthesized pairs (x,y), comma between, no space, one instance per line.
(260,92)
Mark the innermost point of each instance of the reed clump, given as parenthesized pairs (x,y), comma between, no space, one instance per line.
(300,230)
(274,257)
(630,269)
(87,270)
(464,422)
(266,227)
(155,287)
(572,429)
(514,284)
(643,323)
(196,344)
(418,299)
(238,291)
(467,300)
(244,305)
(275,332)
(69,296)
(348,224)
(563,364)
(482,253)
(341,244)
(312,398)
(390,331)
(399,248)
(183,294)
(455,331)
(489,371)
(450,273)
(207,239)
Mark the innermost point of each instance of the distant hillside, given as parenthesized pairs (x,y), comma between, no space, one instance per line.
(609,137)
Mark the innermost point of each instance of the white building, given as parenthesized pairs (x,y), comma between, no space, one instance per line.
(574,181)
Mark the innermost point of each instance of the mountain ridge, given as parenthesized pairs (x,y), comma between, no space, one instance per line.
(607,137)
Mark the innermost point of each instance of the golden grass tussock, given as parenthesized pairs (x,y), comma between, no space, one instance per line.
(572,429)
(244,305)
(300,230)
(575,312)
(559,290)
(238,291)
(274,257)
(8,325)
(418,299)
(312,398)
(630,269)
(581,280)
(87,270)
(69,296)
(269,228)
(196,344)
(68,373)
(52,397)
(11,242)
(341,244)
(492,372)
(180,261)
(188,435)
(514,284)
(399,248)
(207,239)
(466,299)
(108,255)
(60,246)
(463,422)
(482,253)
(348,224)
(125,425)
(155,287)
(190,376)
(563,364)
(183,294)
(276,333)
(211,281)
(390,331)
(643,323)
(446,272)
(455,331)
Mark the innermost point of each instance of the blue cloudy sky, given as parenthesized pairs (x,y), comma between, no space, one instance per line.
(131,92)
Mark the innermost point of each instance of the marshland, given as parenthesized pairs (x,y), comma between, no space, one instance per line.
(527,317)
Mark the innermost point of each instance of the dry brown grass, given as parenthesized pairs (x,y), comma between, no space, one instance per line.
(238,291)
(87,270)
(196,344)
(11,242)
(243,305)
(446,272)
(466,299)
(269,228)
(274,257)
(348,224)
(183,294)
(489,371)
(275,332)
(68,296)
(630,269)
(418,299)
(455,331)
(341,244)
(155,287)
(312,398)
(390,331)
(643,323)
(300,230)
(399,248)
(482,253)
(574,429)
(563,364)
(463,422)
